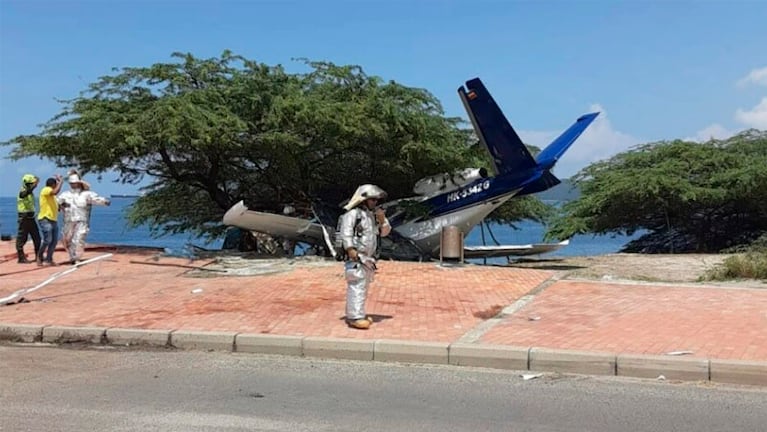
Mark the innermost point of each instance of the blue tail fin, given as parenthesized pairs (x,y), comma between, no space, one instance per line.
(551,154)
(508,152)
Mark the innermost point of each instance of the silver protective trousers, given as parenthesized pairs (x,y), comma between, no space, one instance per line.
(73,236)
(358,279)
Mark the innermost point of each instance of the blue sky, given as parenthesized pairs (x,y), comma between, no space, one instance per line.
(656,69)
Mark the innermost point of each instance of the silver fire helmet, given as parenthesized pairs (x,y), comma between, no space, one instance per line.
(364,192)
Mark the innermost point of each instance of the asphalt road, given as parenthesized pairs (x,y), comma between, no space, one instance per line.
(65,389)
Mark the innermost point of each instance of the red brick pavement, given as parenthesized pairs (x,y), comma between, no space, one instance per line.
(725,323)
(410,301)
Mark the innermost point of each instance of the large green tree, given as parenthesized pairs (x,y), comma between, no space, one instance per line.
(210,132)
(687,196)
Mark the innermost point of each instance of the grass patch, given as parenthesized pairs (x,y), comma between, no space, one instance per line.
(750,265)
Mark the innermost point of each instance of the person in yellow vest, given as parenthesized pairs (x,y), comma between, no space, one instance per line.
(48,219)
(25,206)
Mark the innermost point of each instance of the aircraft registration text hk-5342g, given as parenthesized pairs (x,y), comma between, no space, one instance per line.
(469,191)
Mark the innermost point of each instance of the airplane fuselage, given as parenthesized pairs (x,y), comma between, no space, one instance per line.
(464,207)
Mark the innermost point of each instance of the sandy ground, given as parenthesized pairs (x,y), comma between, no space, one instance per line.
(651,268)
(687,268)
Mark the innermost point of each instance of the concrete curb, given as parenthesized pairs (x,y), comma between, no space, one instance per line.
(653,366)
(739,372)
(410,351)
(269,344)
(350,349)
(489,356)
(202,340)
(21,332)
(68,334)
(581,362)
(120,336)
(457,353)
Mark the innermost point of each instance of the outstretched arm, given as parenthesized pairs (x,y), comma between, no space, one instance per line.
(96,199)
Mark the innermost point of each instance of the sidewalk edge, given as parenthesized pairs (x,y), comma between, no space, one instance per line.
(539,359)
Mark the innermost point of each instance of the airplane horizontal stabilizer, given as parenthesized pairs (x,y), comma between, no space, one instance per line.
(551,154)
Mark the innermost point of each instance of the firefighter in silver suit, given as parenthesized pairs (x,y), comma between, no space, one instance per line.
(360,227)
(76,205)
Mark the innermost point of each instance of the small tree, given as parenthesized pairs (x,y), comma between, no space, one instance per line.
(689,196)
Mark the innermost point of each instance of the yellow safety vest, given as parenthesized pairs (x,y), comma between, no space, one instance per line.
(26,204)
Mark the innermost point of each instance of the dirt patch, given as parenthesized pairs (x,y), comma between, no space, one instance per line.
(688,268)
(488,313)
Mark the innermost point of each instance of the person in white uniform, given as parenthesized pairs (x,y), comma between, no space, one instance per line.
(76,207)
(359,228)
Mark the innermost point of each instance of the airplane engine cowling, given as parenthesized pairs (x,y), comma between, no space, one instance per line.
(446,182)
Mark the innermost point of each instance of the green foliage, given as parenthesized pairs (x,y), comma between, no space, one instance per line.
(751,265)
(758,245)
(688,196)
(211,132)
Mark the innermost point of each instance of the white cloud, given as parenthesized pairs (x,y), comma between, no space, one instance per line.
(712,131)
(756,117)
(539,139)
(599,141)
(756,76)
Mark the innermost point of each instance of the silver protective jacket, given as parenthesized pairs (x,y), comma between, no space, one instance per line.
(76,219)
(360,231)
(78,204)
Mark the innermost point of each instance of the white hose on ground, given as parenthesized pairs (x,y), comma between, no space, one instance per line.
(52,278)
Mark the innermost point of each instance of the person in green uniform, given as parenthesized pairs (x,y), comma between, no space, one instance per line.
(25,206)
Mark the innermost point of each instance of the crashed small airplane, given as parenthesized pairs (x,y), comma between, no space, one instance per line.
(461,199)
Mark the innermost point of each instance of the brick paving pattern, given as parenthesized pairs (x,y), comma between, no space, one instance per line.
(413,301)
(725,323)
(409,301)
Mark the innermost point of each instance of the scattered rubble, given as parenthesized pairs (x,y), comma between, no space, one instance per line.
(234,265)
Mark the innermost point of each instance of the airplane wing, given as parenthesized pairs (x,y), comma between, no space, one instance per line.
(511,250)
(292,228)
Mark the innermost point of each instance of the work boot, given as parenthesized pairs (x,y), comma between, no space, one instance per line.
(22,258)
(362,324)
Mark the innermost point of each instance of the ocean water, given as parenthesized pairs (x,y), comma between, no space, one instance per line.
(108,225)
